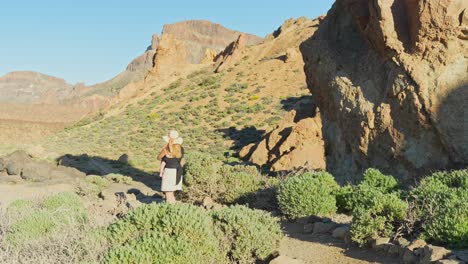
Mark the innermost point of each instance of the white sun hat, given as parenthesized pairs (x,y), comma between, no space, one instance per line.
(173,134)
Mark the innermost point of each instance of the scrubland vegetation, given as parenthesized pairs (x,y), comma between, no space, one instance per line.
(59,227)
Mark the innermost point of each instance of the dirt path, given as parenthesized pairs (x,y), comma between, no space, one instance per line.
(324,249)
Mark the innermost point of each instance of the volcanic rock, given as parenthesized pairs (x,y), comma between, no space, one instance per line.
(391,83)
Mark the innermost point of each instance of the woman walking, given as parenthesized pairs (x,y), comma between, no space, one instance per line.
(171,165)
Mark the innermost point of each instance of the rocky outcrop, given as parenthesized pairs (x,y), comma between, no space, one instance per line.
(391,82)
(19,163)
(231,54)
(295,143)
(209,56)
(200,35)
(190,42)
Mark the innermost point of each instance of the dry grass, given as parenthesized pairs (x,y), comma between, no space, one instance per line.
(74,243)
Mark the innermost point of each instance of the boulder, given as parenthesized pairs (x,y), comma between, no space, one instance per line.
(295,143)
(321,227)
(433,253)
(415,244)
(391,83)
(380,243)
(67,173)
(340,232)
(36,171)
(14,168)
(123,158)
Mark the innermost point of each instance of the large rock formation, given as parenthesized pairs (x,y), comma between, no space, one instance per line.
(190,42)
(392,84)
(200,35)
(295,143)
(231,54)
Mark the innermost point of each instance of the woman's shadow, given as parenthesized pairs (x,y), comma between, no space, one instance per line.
(146,186)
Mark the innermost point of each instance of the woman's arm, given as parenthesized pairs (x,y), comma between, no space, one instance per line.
(161,168)
(162,153)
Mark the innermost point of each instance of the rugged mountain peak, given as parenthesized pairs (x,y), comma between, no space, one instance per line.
(154,41)
(28,87)
(198,35)
(391,82)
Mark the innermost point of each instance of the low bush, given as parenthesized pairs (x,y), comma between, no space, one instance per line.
(44,218)
(99,181)
(248,235)
(119,178)
(349,197)
(375,204)
(205,175)
(442,207)
(162,233)
(308,193)
(239,181)
(379,216)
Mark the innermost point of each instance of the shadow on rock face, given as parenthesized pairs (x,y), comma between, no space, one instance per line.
(452,119)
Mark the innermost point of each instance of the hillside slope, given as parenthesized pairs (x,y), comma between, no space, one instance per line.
(215,112)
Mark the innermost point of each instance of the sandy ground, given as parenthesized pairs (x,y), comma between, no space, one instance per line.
(324,249)
(9,193)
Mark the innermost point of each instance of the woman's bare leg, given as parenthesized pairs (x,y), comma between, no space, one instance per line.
(170,198)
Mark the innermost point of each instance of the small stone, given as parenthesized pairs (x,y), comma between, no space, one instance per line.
(340,232)
(308,228)
(402,242)
(208,203)
(321,227)
(379,242)
(418,243)
(286,260)
(433,253)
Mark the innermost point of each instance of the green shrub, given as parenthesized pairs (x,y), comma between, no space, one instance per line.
(119,178)
(379,216)
(201,176)
(308,193)
(248,234)
(63,200)
(239,181)
(162,233)
(373,182)
(99,181)
(206,176)
(373,178)
(442,206)
(42,219)
(375,204)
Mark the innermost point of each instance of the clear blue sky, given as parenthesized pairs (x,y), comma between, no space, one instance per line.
(93,40)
